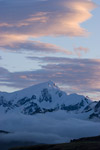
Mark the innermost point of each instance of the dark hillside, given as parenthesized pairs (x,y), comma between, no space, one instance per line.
(91,143)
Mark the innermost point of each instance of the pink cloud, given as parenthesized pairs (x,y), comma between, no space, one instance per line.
(19,45)
(75,75)
(43,18)
(79,50)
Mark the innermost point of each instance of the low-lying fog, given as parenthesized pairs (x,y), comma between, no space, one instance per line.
(55,127)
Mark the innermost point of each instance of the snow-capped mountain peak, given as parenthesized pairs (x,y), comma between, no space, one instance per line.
(38,87)
(42,98)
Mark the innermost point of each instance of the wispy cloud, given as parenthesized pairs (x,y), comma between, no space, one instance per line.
(20,20)
(79,50)
(35,46)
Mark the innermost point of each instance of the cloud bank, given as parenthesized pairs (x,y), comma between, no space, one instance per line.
(75,75)
(55,127)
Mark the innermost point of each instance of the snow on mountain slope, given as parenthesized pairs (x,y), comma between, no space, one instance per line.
(28,92)
(90,107)
(45,114)
(42,98)
(95,112)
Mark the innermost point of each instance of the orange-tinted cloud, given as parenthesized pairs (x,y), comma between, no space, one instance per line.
(79,75)
(43,18)
(79,50)
(18,44)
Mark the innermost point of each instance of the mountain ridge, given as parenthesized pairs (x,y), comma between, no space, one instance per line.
(47,97)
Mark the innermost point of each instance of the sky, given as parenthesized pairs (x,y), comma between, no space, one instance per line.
(56,40)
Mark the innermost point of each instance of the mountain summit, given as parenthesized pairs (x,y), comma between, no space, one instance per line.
(45,97)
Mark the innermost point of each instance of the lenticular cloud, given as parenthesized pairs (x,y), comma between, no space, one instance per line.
(42,18)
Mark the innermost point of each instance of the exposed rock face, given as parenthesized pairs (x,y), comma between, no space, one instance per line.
(47,97)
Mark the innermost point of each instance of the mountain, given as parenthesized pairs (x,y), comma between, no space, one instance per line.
(42,98)
(47,97)
(45,114)
(94,108)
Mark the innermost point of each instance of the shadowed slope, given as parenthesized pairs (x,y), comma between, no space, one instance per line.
(91,143)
